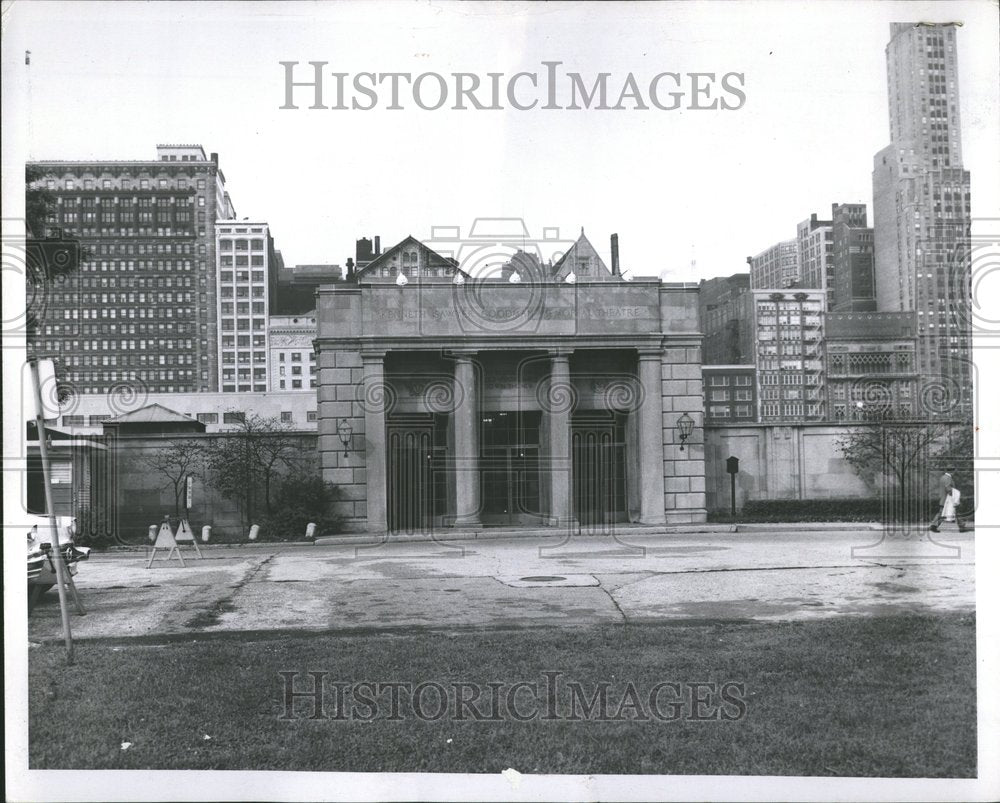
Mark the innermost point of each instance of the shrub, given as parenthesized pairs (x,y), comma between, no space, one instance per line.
(301,499)
(837,509)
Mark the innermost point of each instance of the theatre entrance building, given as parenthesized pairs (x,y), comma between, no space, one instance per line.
(536,398)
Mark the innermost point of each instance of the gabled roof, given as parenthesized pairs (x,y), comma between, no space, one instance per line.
(581,250)
(152,413)
(431,258)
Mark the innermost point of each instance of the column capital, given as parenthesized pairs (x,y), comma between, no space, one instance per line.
(462,355)
(560,353)
(373,356)
(650,352)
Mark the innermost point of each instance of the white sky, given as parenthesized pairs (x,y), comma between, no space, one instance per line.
(110,80)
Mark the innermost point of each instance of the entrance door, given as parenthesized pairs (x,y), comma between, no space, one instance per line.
(415,475)
(598,470)
(509,468)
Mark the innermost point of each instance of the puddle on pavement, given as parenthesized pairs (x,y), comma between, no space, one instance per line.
(549,581)
(894,588)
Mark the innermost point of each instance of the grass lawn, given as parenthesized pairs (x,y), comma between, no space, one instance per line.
(887,696)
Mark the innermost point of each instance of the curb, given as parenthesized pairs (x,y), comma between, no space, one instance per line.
(623,534)
(628,533)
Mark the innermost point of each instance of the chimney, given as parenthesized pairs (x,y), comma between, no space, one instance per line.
(615,271)
(214,158)
(750,261)
(350,269)
(378,245)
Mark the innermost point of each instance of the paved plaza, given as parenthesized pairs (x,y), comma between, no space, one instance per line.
(514,582)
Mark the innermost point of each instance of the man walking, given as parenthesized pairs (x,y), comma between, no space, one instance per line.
(949,499)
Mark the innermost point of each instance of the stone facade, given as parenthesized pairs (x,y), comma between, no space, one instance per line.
(563,397)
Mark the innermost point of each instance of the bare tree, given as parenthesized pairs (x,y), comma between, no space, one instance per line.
(897,450)
(176,460)
(246,462)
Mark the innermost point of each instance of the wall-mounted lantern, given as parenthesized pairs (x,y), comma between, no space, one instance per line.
(684,426)
(345,431)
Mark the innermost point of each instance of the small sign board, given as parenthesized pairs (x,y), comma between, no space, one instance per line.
(189,492)
(185,535)
(732,465)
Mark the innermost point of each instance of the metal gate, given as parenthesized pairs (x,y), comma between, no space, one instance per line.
(598,472)
(410,485)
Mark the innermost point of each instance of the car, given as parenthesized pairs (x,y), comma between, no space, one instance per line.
(41,564)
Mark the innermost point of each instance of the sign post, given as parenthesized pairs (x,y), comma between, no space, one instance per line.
(63,575)
(733,468)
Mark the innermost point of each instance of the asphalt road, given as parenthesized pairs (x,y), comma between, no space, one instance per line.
(515,582)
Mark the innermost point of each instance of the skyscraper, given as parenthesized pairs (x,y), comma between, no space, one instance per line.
(922,212)
(141,311)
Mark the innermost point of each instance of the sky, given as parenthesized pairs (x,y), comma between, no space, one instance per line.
(691,193)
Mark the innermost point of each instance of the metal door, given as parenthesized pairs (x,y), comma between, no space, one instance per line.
(509,468)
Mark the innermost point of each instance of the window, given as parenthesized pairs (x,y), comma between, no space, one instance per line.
(286,416)
(234,418)
(311,415)
(208,418)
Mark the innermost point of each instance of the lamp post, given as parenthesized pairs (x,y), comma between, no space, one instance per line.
(684,426)
(345,431)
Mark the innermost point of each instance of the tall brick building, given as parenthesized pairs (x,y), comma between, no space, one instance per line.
(777,266)
(142,310)
(725,313)
(853,278)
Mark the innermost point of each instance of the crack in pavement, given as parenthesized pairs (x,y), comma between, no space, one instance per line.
(224,604)
(613,600)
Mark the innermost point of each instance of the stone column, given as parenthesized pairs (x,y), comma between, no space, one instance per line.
(375,402)
(559,408)
(650,438)
(466,443)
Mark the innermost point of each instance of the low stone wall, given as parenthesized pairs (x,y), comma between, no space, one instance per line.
(144,495)
(799,461)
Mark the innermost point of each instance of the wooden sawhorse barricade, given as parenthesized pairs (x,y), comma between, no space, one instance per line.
(167,539)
